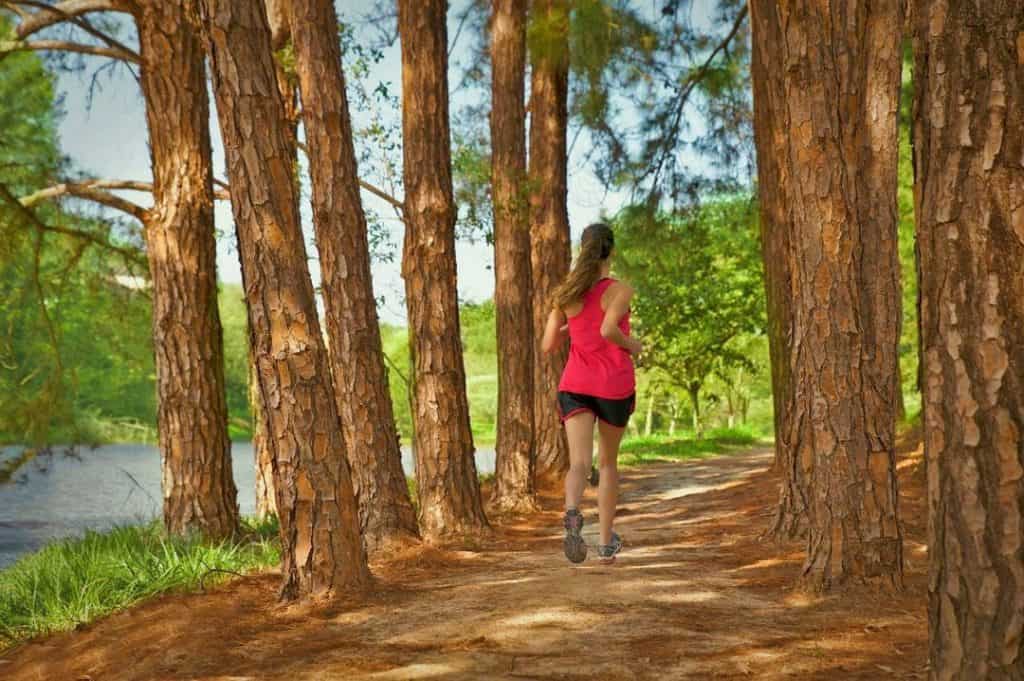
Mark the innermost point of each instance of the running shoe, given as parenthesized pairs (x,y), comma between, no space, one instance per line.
(573,544)
(607,552)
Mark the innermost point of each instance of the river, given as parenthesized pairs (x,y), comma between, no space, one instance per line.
(62,494)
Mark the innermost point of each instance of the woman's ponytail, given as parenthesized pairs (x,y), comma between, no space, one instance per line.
(595,247)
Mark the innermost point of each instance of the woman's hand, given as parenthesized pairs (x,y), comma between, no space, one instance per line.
(635,346)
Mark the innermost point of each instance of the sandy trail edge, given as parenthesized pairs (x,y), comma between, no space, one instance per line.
(696,594)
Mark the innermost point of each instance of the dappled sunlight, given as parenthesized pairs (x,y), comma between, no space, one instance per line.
(418,670)
(695,594)
(685,597)
(561,616)
(764,563)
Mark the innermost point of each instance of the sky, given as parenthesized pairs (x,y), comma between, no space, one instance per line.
(108,139)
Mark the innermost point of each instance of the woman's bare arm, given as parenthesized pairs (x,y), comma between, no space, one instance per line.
(554,331)
(617,308)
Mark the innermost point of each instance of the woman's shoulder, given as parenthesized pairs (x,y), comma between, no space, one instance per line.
(617,287)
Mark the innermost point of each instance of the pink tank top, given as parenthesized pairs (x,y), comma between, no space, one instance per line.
(596,366)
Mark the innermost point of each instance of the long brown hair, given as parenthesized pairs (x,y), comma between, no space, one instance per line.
(595,247)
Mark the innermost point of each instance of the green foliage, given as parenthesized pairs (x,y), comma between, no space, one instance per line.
(235,323)
(699,294)
(76,581)
(481,361)
(640,450)
(68,322)
(908,265)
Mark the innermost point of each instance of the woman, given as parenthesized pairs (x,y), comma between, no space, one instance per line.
(598,384)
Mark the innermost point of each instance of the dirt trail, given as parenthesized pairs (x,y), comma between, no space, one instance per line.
(695,595)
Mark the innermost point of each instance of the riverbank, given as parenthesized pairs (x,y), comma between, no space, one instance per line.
(72,582)
(696,594)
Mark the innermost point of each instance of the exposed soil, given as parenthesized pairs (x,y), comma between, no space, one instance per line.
(696,594)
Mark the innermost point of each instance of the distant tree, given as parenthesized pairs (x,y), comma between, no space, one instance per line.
(447,484)
(322,553)
(968,146)
(697,277)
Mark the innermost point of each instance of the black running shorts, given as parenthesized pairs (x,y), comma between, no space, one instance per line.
(613,412)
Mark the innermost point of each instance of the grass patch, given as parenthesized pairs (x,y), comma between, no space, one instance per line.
(640,450)
(75,581)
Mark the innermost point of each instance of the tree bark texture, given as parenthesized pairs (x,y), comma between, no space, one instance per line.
(771,141)
(198,488)
(969,157)
(280,38)
(840,80)
(514,460)
(386,514)
(322,552)
(448,489)
(550,252)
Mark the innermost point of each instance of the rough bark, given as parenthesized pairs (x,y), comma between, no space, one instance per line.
(514,462)
(969,156)
(550,253)
(280,38)
(449,492)
(321,548)
(773,181)
(386,515)
(195,451)
(839,72)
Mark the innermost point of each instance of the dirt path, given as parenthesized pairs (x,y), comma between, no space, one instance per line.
(695,595)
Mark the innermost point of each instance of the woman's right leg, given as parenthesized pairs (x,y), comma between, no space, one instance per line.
(608,489)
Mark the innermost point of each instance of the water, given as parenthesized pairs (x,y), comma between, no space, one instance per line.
(61,495)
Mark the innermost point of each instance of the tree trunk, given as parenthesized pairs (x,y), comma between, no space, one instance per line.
(969,143)
(841,163)
(280,39)
(195,450)
(448,488)
(266,504)
(649,420)
(773,183)
(321,549)
(693,390)
(514,461)
(386,515)
(549,220)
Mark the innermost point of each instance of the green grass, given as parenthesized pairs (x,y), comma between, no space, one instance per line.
(658,448)
(75,581)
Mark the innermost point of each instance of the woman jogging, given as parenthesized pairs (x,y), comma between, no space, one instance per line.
(598,384)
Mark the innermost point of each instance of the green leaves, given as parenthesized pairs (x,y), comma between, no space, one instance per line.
(697,276)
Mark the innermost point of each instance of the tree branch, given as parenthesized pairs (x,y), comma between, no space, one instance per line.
(72,11)
(9,46)
(688,87)
(30,217)
(50,15)
(94,190)
(376,191)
